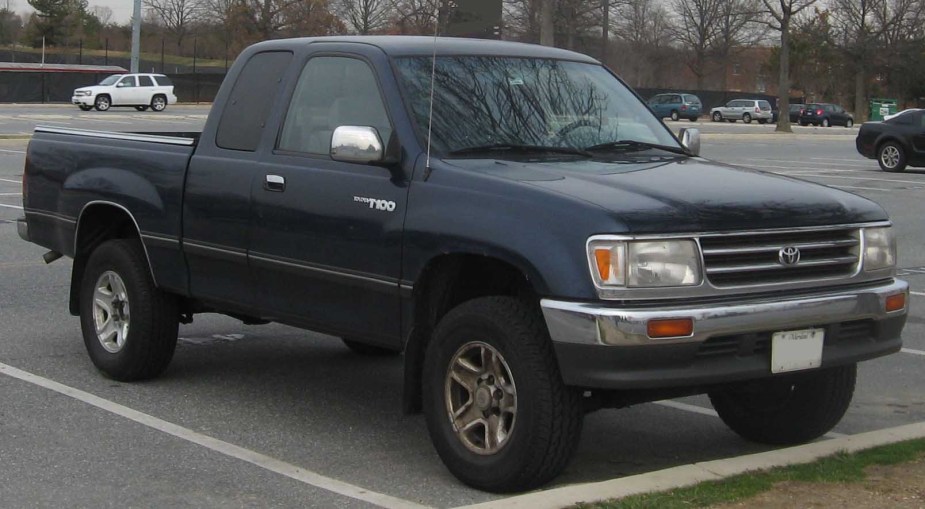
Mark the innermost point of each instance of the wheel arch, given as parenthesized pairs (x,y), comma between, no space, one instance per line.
(446,281)
(98,222)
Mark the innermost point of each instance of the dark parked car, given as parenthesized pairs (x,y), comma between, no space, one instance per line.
(795,111)
(676,106)
(825,115)
(896,142)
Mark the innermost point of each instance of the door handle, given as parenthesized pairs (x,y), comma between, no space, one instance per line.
(275,183)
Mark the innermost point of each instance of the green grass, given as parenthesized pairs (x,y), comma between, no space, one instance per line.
(840,468)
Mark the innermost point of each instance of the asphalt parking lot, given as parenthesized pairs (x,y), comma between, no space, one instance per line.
(271,416)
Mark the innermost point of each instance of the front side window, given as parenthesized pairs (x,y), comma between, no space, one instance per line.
(482,101)
(332,92)
(128,81)
(111,80)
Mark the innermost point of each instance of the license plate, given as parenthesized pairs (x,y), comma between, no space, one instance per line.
(796,349)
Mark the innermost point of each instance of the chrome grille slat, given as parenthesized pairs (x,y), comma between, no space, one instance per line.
(753,259)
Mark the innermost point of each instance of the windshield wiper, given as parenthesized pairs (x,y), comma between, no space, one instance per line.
(519,149)
(632,146)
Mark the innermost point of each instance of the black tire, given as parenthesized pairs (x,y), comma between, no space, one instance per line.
(849,123)
(546,424)
(694,119)
(369,350)
(788,410)
(717,116)
(150,337)
(731,120)
(747,118)
(84,107)
(158,103)
(891,157)
(826,123)
(102,103)
(141,108)
(674,115)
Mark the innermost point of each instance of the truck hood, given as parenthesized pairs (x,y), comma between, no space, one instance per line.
(687,194)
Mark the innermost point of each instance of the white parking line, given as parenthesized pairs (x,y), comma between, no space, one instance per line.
(920,294)
(255,458)
(913,352)
(11,206)
(862,188)
(13,151)
(10,194)
(12,181)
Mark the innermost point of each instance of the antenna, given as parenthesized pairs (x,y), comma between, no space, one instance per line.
(433,72)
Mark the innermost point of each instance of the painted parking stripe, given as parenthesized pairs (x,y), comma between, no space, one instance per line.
(920,294)
(11,181)
(10,194)
(10,206)
(219,446)
(862,188)
(913,352)
(13,151)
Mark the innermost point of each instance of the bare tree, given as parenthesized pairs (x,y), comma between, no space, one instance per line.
(694,26)
(780,15)
(102,13)
(176,16)
(642,30)
(365,16)
(414,17)
(737,29)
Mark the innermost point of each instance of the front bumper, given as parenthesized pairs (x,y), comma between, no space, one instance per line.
(82,100)
(607,347)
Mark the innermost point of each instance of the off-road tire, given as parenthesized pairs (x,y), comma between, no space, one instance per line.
(548,418)
(153,321)
(368,350)
(792,409)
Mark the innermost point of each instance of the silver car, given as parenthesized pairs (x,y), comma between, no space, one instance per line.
(745,110)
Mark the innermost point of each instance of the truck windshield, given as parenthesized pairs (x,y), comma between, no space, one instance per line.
(482,101)
(111,79)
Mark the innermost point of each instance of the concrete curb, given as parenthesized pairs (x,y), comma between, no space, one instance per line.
(688,475)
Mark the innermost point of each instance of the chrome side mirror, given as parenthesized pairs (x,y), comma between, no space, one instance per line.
(356,144)
(690,139)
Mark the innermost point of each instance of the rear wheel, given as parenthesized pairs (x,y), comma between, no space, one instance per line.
(826,123)
(849,123)
(788,410)
(129,326)
(84,107)
(497,410)
(674,115)
(747,118)
(892,157)
(158,103)
(102,103)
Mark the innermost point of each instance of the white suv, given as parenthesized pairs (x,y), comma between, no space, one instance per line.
(745,110)
(139,90)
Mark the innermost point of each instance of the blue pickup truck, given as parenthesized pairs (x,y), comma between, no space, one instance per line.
(510,217)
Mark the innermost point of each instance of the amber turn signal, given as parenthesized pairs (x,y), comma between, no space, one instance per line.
(670,328)
(895,302)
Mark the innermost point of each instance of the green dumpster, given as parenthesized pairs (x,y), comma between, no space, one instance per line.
(880,108)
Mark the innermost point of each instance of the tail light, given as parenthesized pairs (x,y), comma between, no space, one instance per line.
(683,107)
(757,109)
(818,112)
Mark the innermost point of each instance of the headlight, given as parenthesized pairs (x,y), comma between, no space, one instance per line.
(81,92)
(879,248)
(644,263)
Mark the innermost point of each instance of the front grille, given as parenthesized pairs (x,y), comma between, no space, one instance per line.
(744,345)
(754,258)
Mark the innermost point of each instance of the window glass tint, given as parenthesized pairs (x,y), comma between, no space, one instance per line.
(764,105)
(163,81)
(692,99)
(331,92)
(250,101)
(145,81)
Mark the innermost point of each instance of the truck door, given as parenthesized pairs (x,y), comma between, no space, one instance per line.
(326,241)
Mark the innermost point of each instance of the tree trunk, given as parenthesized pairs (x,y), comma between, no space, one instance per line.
(546,24)
(860,95)
(783,91)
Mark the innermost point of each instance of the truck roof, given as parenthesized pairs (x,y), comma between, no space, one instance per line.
(409,45)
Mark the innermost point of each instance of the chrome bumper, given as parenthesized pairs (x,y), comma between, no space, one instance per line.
(595,324)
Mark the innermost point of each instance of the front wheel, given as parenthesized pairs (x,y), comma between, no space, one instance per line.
(717,116)
(892,157)
(791,409)
(129,326)
(158,103)
(497,410)
(102,103)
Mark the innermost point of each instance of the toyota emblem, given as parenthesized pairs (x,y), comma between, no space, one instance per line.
(789,256)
